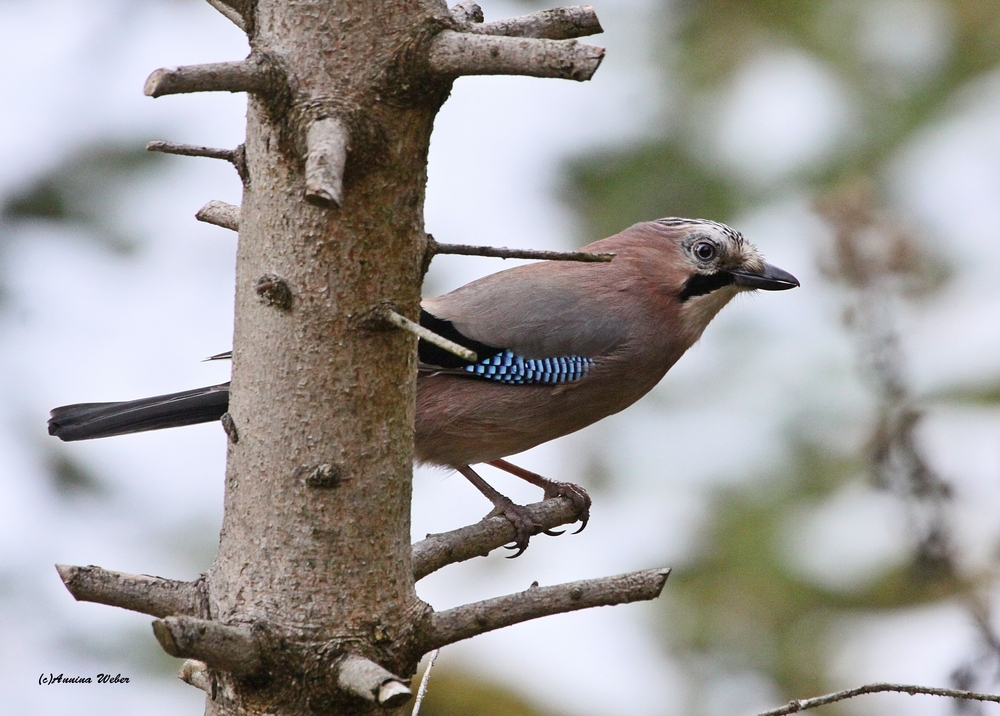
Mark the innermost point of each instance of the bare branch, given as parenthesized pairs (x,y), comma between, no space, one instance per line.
(224,647)
(467,13)
(155,596)
(463,53)
(371,682)
(327,143)
(190,150)
(236,157)
(794,707)
(389,316)
(230,12)
(561,23)
(195,673)
(221,214)
(470,620)
(433,247)
(247,75)
(478,540)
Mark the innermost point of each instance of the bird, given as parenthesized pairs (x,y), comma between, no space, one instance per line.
(559,346)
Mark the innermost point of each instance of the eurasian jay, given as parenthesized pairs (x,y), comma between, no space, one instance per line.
(560,345)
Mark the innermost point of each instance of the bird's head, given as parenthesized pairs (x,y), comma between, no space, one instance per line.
(715,256)
(700,266)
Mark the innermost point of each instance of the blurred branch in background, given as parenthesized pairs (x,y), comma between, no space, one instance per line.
(82,192)
(877,261)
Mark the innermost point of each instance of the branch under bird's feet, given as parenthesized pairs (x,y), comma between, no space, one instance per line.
(581,500)
(524,525)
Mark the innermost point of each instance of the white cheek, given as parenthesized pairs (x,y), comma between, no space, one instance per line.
(699,311)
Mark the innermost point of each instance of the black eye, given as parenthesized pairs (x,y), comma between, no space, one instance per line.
(705,251)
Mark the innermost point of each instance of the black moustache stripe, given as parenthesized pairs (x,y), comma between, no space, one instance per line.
(701,284)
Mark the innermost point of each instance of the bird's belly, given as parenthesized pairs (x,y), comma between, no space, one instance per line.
(464,421)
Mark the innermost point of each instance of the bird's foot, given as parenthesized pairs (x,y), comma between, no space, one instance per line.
(577,495)
(524,527)
(552,488)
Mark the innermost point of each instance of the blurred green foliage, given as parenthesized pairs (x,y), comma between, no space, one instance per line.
(672,175)
(84,192)
(741,605)
(738,606)
(459,694)
(72,478)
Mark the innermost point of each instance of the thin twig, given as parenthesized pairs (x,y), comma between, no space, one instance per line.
(190,150)
(237,157)
(504,253)
(230,13)
(461,53)
(142,593)
(794,707)
(424,682)
(400,321)
(478,540)
(470,620)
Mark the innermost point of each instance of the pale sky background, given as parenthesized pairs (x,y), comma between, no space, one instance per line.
(84,324)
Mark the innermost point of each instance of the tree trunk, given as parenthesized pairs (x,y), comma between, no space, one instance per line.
(316,534)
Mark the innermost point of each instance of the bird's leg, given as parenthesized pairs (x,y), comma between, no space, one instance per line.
(579,496)
(524,526)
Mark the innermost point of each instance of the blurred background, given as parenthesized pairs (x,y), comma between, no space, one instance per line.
(822,470)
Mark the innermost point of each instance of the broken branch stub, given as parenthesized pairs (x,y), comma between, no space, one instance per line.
(142,593)
(561,23)
(221,214)
(196,674)
(369,681)
(228,648)
(467,13)
(454,54)
(249,75)
(327,144)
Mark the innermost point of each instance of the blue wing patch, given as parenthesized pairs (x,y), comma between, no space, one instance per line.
(506,367)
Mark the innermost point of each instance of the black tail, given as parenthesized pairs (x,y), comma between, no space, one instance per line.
(85,421)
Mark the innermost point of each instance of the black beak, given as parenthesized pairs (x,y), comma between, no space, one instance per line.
(771,278)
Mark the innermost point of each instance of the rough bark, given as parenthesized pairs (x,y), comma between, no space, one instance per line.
(322,569)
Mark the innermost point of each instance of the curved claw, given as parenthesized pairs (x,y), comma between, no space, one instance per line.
(581,500)
(553,533)
(520,550)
